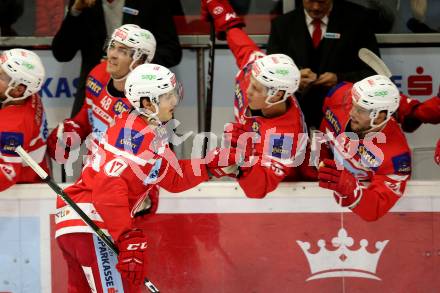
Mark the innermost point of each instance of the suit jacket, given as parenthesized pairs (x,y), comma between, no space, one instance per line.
(87,33)
(337,53)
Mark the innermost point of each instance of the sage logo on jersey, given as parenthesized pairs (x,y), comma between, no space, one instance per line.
(129,140)
(9,141)
(343,262)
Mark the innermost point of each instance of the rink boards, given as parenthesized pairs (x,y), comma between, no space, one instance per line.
(213,239)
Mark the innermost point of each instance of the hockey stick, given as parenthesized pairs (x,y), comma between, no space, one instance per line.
(210,86)
(372,60)
(59,191)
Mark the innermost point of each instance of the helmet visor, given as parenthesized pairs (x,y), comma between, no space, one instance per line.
(119,48)
(174,96)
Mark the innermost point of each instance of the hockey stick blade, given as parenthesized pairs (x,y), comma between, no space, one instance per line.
(372,60)
(60,192)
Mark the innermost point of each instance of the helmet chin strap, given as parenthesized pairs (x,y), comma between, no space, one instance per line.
(373,117)
(10,98)
(270,94)
(150,115)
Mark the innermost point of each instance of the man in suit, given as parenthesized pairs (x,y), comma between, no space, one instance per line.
(323,38)
(89,23)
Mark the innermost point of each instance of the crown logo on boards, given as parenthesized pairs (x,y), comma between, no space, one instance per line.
(343,262)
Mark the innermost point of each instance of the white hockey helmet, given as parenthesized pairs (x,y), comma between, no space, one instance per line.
(133,36)
(376,93)
(151,81)
(277,72)
(23,67)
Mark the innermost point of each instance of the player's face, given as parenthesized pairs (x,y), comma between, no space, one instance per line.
(4,81)
(317,9)
(167,104)
(119,59)
(360,119)
(257,94)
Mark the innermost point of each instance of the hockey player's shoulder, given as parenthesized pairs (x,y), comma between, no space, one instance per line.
(97,79)
(340,87)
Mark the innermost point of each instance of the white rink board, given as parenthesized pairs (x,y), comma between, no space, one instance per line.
(27,261)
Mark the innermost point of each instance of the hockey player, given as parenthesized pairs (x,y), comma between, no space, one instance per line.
(133,156)
(371,159)
(22,117)
(264,105)
(129,47)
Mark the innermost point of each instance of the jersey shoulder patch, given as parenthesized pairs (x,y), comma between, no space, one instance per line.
(9,141)
(335,88)
(402,163)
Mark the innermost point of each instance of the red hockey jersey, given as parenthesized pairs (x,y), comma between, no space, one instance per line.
(23,125)
(281,140)
(381,163)
(100,108)
(412,113)
(131,159)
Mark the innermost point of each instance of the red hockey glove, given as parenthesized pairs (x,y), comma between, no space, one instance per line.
(223,14)
(238,137)
(347,192)
(437,153)
(132,258)
(64,137)
(222,162)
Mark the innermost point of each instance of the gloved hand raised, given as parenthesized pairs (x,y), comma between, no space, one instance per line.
(237,136)
(65,136)
(132,258)
(223,15)
(347,191)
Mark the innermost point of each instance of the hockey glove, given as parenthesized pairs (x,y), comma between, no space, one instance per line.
(223,15)
(237,136)
(132,258)
(64,137)
(222,162)
(347,191)
(437,153)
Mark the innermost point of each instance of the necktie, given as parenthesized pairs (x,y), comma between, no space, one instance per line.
(317,32)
